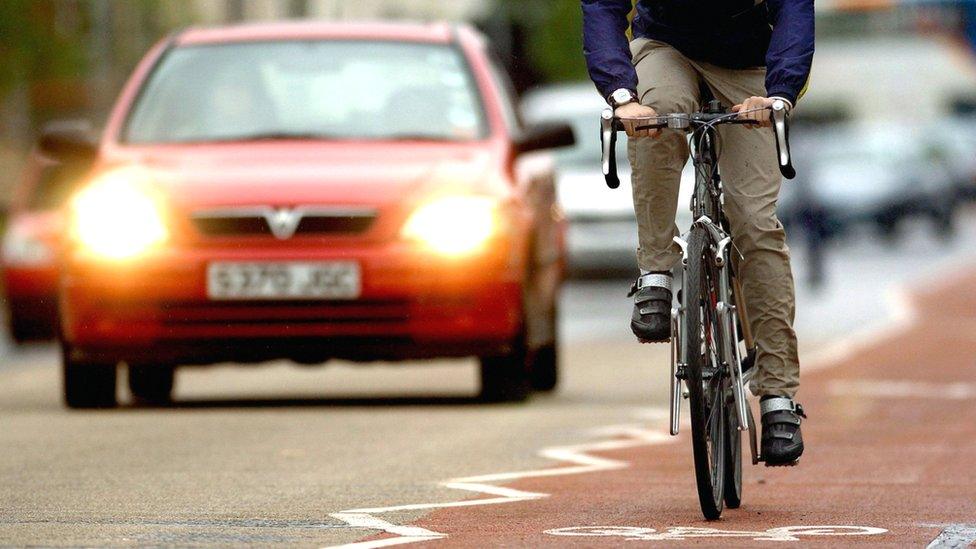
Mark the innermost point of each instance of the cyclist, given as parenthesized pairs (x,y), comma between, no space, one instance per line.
(748,53)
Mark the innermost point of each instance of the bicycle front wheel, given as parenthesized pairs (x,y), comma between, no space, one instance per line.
(705,378)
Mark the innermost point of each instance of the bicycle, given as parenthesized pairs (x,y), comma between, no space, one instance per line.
(707,333)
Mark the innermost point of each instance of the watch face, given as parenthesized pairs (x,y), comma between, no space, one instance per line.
(621,96)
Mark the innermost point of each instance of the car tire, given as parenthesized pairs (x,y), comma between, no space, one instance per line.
(888,228)
(151,383)
(23,332)
(505,378)
(88,384)
(544,368)
(24,329)
(942,219)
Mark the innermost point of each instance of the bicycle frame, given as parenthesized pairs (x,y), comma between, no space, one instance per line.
(706,208)
(707,211)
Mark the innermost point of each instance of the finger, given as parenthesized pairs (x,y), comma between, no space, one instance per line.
(737,108)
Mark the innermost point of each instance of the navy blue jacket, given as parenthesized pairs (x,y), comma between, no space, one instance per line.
(736,34)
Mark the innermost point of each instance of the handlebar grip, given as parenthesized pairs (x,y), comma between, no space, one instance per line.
(781,128)
(608,139)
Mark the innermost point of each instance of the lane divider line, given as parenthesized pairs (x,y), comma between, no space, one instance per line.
(952,536)
(902,314)
(579,460)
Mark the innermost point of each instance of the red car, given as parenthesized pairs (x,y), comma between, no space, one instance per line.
(313,191)
(31,245)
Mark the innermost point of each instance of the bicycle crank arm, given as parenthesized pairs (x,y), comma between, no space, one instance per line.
(754,442)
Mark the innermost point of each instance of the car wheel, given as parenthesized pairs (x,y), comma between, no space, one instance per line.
(25,329)
(888,227)
(545,361)
(505,378)
(88,384)
(23,332)
(151,383)
(545,368)
(942,219)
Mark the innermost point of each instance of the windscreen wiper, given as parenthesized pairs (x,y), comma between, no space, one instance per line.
(415,137)
(276,136)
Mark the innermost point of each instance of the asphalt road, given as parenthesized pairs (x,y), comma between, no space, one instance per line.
(273,455)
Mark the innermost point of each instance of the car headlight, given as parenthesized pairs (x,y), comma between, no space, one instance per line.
(119,215)
(456,225)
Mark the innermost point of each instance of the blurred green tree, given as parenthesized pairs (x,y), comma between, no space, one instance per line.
(548,32)
(39,41)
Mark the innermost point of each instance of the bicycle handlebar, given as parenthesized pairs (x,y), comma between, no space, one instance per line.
(610,125)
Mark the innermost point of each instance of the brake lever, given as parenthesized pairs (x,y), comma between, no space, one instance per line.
(781,128)
(608,140)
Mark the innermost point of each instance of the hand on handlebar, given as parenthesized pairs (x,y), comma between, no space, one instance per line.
(633,115)
(756,108)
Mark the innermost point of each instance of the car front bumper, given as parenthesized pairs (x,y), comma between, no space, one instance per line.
(412,305)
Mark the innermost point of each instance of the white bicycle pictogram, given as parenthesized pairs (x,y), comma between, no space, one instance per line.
(785,533)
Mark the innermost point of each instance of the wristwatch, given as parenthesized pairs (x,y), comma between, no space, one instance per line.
(622,97)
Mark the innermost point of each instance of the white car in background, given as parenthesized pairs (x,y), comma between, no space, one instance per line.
(602,227)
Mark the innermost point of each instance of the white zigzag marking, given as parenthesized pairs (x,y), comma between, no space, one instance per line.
(578,456)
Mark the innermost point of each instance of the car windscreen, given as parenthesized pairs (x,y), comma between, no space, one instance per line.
(308,90)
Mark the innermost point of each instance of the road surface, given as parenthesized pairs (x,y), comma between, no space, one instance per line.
(280,455)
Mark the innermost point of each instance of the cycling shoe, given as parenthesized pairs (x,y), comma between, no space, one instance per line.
(782,443)
(651,319)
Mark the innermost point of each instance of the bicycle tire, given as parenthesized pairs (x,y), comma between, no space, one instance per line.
(708,425)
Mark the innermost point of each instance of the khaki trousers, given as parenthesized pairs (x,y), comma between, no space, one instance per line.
(669,82)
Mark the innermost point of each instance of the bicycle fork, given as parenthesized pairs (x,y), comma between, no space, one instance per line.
(729,348)
(679,354)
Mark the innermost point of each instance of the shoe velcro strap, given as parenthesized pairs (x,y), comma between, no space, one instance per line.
(781,434)
(654,280)
(780,417)
(777,403)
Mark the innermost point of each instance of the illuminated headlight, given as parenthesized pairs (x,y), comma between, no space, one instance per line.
(455,226)
(119,215)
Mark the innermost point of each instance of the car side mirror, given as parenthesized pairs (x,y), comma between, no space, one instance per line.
(69,140)
(549,135)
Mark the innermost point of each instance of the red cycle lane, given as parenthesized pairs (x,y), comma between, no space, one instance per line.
(891,448)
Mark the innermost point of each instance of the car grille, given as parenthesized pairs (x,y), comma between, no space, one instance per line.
(284,313)
(284,223)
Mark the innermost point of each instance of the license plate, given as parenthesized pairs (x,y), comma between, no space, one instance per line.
(283,280)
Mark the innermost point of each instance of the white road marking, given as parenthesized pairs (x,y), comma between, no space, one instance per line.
(785,533)
(901,315)
(883,388)
(953,536)
(577,456)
